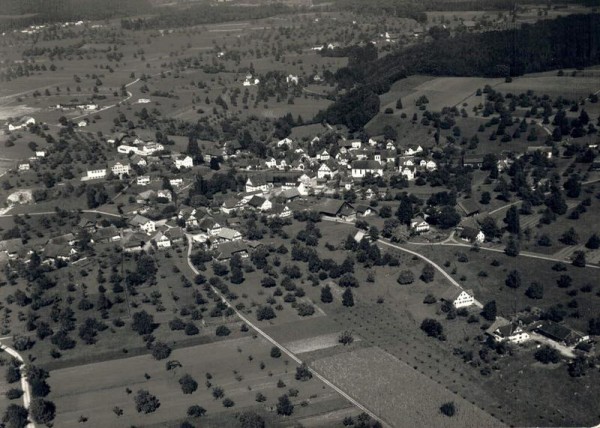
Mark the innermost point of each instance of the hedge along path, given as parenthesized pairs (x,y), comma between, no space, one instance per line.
(280,346)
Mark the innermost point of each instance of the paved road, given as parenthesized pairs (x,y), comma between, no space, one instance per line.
(279,345)
(435,265)
(54,212)
(24,383)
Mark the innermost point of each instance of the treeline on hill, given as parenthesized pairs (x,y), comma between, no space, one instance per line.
(567,42)
(400,9)
(20,13)
(203,14)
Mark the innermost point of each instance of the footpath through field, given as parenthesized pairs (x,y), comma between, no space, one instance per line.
(24,382)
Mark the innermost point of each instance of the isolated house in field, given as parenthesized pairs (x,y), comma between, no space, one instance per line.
(361,168)
(143,223)
(469,206)
(504,331)
(472,235)
(458,298)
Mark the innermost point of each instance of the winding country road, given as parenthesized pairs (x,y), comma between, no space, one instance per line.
(279,345)
(24,383)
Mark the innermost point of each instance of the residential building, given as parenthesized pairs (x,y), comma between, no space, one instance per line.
(504,331)
(183,161)
(143,223)
(459,298)
(119,168)
(143,180)
(472,235)
(363,167)
(419,225)
(94,174)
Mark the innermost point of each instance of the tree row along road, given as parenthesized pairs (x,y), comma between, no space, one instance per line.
(280,346)
(24,382)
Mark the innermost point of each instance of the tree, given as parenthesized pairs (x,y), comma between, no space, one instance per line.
(188,384)
(275,352)
(250,419)
(579,259)
(399,104)
(593,243)
(346,337)
(146,402)
(547,355)
(143,323)
(535,291)
(485,198)
(348,298)
(196,411)
(405,277)
(160,351)
(513,279)
(265,313)
(326,296)
(489,311)
(512,247)
(303,373)
(448,217)
(564,281)
(433,328)
(570,237)
(577,367)
(428,273)
(222,330)
(42,411)
(15,416)
(284,406)
(405,212)
(448,409)
(512,221)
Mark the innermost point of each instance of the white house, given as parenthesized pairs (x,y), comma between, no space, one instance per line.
(363,167)
(143,180)
(285,142)
(176,182)
(355,144)
(94,174)
(226,235)
(40,154)
(407,172)
(184,161)
(23,123)
(119,168)
(162,241)
(323,156)
(419,225)
(325,171)
(410,151)
(472,234)
(458,298)
(503,331)
(428,165)
(165,194)
(24,166)
(291,79)
(82,123)
(143,223)
(257,183)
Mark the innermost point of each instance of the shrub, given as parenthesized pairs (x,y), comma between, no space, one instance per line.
(146,402)
(188,384)
(265,313)
(346,337)
(228,402)
(275,352)
(406,277)
(303,373)
(547,355)
(14,393)
(305,309)
(196,411)
(160,351)
(448,409)
(433,328)
(222,331)
(284,406)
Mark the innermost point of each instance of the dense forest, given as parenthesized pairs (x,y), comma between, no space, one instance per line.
(567,42)
(203,14)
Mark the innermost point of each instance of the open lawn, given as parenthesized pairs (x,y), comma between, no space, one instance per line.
(233,364)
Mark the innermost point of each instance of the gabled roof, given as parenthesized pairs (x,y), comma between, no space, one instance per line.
(452,293)
(469,206)
(256,180)
(228,249)
(11,245)
(366,164)
(256,201)
(139,220)
(227,233)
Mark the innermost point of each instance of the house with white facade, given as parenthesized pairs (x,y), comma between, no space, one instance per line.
(419,225)
(184,161)
(143,180)
(505,331)
(143,223)
(94,174)
(363,167)
(458,297)
(408,172)
(326,171)
(119,168)
(257,183)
